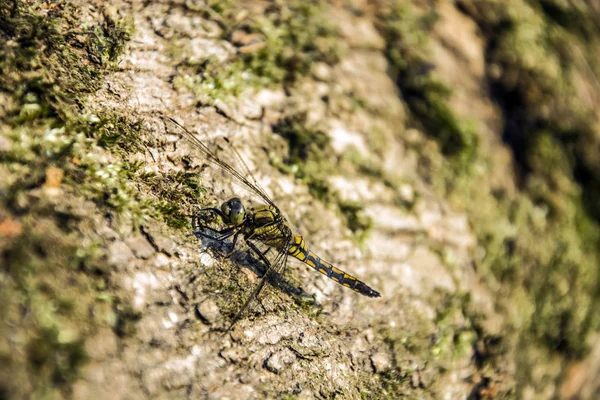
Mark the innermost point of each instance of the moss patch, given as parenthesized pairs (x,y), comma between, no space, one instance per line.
(553,250)
(406,29)
(538,245)
(54,282)
(309,159)
(296,35)
(49,59)
(276,44)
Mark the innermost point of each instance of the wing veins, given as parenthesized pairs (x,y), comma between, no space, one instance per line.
(241,162)
(279,263)
(212,157)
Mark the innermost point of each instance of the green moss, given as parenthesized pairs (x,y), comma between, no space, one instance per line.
(457,327)
(539,244)
(542,250)
(428,99)
(45,67)
(48,75)
(550,181)
(309,160)
(56,267)
(308,305)
(111,129)
(60,359)
(296,35)
(107,40)
(406,32)
(109,183)
(114,184)
(288,39)
(408,353)
(214,81)
(537,70)
(532,68)
(543,268)
(178,192)
(319,188)
(35,149)
(50,280)
(305,143)
(357,221)
(307,149)
(538,250)
(582,21)
(393,384)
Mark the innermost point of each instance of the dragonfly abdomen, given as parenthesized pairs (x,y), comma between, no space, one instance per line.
(300,251)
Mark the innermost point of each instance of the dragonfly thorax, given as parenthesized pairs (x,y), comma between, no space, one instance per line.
(234,211)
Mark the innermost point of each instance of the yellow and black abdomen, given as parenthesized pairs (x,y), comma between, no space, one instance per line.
(300,251)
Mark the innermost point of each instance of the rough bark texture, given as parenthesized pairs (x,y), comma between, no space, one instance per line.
(384,131)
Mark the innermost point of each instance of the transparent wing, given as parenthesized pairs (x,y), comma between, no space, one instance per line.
(275,263)
(246,180)
(274,268)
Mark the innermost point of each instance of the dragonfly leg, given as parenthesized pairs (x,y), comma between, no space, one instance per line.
(235,238)
(254,295)
(260,254)
(221,234)
(261,304)
(258,288)
(196,218)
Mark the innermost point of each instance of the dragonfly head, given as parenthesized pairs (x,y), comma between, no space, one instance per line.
(234,210)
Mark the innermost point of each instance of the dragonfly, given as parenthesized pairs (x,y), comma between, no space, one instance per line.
(259,224)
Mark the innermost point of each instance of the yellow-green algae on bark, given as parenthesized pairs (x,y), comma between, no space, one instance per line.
(539,244)
(54,284)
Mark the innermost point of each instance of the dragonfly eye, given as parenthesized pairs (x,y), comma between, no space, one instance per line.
(234,210)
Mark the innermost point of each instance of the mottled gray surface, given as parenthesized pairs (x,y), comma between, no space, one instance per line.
(416,257)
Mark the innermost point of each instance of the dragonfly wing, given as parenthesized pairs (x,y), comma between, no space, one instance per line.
(246,180)
(275,267)
(249,176)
